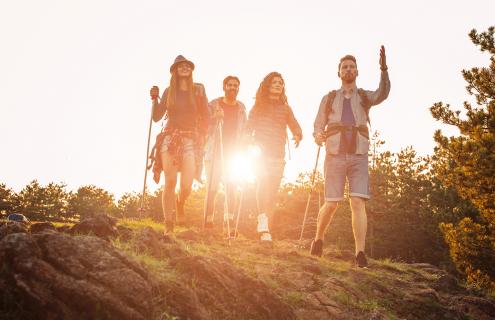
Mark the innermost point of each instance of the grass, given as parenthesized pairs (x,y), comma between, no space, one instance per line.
(63,224)
(295,298)
(159,267)
(356,292)
(140,224)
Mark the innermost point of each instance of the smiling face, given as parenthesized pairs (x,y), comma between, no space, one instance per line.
(184,69)
(348,71)
(276,86)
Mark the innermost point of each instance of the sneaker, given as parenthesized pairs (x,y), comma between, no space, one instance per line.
(266,237)
(263,223)
(361,260)
(316,248)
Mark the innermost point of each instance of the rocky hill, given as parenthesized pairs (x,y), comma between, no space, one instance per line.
(105,269)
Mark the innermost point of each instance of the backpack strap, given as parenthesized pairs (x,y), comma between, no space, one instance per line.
(365,103)
(330,98)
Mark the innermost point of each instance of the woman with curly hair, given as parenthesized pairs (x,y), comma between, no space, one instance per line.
(179,147)
(267,127)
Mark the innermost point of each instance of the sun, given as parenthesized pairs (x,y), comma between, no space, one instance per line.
(242,166)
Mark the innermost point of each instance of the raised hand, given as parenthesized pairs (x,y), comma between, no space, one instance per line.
(154,92)
(383,59)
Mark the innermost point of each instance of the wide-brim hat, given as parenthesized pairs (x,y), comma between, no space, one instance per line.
(180,58)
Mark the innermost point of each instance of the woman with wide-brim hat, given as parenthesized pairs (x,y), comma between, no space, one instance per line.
(179,147)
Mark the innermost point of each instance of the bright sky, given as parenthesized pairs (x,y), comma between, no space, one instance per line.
(75,75)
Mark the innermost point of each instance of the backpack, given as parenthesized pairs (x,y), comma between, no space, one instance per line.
(365,103)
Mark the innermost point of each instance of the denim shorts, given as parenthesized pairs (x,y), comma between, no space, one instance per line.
(354,167)
(188,145)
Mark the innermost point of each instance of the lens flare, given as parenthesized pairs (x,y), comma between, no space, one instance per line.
(242,167)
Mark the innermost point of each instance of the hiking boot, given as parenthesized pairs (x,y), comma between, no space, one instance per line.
(316,248)
(169,227)
(266,237)
(262,223)
(181,217)
(361,260)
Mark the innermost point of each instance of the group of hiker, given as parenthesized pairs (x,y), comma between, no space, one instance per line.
(198,131)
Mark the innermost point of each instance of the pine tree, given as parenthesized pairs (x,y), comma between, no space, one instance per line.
(467,163)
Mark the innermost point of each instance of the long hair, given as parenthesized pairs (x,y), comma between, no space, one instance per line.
(263,93)
(174,87)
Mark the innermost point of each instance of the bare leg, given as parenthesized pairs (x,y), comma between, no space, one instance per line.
(186,177)
(359,222)
(325,216)
(231,194)
(212,180)
(168,195)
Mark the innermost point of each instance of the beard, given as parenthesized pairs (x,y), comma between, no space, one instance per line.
(232,94)
(349,78)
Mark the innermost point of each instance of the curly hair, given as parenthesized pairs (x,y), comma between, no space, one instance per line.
(263,92)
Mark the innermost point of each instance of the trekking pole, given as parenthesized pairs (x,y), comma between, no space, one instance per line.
(238,214)
(222,164)
(309,195)
(212,171)
(288,145)
(141,209)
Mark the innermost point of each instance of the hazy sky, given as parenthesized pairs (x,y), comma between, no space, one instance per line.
(75,75)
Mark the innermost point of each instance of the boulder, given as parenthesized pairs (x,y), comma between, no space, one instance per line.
(42,226)
(102,226)
(52,275)
(12,227)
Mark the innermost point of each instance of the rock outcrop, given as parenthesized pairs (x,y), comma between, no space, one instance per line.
(50,275)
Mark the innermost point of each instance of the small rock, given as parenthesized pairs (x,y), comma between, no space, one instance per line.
(427,293)
(313,268)
(102,226)
(313,302)
(42,226)
(446,283)
(324,300)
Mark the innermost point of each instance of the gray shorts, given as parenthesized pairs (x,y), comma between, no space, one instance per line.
(188,145)
(354,167)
